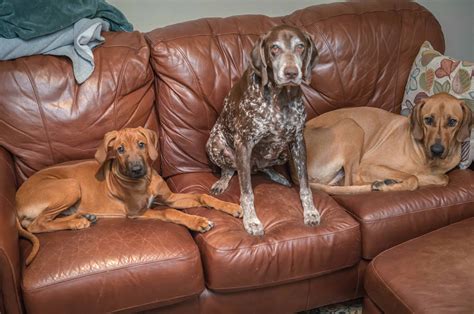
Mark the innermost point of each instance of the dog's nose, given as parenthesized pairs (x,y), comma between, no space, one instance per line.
(437,149)
(137,169)
(291,72)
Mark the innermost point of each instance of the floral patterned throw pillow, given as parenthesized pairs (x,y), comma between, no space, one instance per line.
(434,73)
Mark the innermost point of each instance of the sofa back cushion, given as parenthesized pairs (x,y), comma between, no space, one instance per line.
(365,53)
(47,118)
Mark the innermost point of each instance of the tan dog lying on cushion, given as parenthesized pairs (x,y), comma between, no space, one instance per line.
(119,183)
(364,149)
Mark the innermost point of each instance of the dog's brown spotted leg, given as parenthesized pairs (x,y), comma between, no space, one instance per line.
(54,203)
(193,222)
(221,185)
(298,152)
(251,222)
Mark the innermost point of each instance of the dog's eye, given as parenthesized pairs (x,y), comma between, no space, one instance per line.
(300,47)
(275,49)
(141,145)
(121,149)
(452,122)
(428,120)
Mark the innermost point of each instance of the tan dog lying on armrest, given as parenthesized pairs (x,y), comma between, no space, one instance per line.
(119,183)
(363,149)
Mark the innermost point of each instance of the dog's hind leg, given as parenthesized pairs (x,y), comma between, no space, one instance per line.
(222,184)
(275,176)
(50,199)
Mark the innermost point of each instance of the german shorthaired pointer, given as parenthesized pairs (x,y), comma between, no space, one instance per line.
(263,116)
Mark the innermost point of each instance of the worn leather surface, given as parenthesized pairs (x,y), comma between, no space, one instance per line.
(390,218)
(9,257)
(366,51)
(185,307)
(286,298)
(429,274)
(46,118)
(115,265)
(289,251)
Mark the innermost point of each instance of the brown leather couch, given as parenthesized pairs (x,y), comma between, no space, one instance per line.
(173,80)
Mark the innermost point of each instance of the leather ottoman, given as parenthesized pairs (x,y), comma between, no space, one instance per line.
(429,274)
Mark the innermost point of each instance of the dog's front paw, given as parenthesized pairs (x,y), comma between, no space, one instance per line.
(312,217)
(381,185)
(91,217)
(203,225)
(219,187)
(253,226)
(237,211)
(80,223)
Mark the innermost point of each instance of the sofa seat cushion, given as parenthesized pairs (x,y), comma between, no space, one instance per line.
(429,274)
(289,251)
(116,264)
(390,218)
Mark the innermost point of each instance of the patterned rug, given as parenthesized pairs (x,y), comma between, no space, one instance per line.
(351,307)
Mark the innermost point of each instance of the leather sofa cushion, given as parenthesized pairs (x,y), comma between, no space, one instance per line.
(366,50)
(390,218)
(47,118)
(289,251)
(429,274)
(116,264)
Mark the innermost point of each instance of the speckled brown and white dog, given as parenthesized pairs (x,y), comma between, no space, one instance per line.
(263,116)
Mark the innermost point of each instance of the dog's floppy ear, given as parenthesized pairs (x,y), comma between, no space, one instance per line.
(151,142)
(464,130)
(310,59)
(258,60)
(416,123)
(103,150)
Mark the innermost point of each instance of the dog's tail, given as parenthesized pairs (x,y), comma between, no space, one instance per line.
(341,190)
(32,238)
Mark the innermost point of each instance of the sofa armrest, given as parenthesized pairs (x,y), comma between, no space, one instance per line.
(9,246)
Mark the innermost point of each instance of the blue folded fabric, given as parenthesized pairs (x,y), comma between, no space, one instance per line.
(27,19)
(75,42)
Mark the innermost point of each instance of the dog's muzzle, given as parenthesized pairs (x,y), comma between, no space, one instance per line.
(137,170)
(437,150)
(289,75)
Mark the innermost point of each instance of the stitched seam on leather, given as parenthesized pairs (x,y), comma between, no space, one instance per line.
(8,201)
(119,87)
(193,73)
(157,302)
(308,294)
(324,39)
(6,161)
(108,271)
(218,43)
(14,279)
(410,213)
(293,279)
(376,273)
(40,108)
(201,238)
(395,90)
